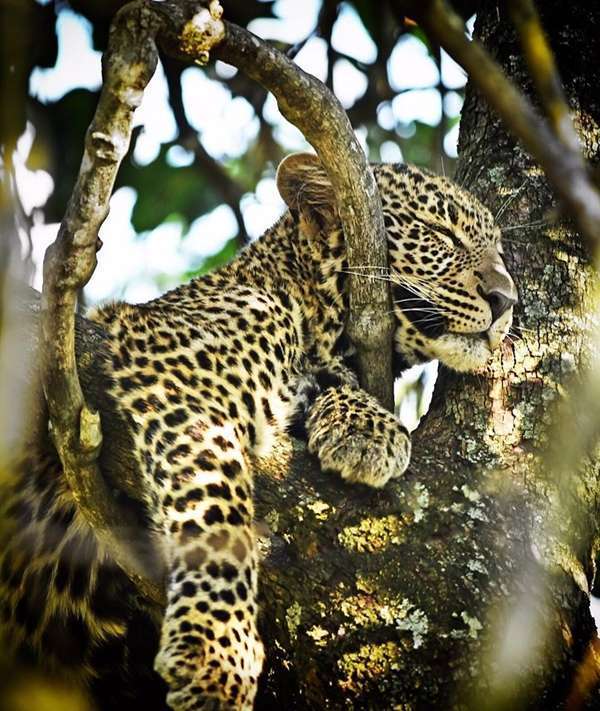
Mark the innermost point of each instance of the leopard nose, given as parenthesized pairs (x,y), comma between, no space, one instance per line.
(499,303)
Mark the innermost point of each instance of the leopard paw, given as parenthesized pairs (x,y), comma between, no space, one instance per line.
(353,435)
(211,674)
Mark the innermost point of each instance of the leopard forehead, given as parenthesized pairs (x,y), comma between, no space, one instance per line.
(413,197)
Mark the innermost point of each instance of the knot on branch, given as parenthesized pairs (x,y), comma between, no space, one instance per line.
(215,9)
(90,433)
(105,147)
(131,56)
(202,32)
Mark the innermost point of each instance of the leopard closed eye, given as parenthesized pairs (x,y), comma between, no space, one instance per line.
(213,372)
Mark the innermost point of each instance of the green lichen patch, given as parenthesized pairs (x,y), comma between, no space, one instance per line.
(292,620)
(374,534)
(370,663)
(272,520)
(320,509)
(470,494)
(414,621)
(369,609)
(421,496)
(319,635)
(473,624)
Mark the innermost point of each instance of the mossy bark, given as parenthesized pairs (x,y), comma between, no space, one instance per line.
(449,589)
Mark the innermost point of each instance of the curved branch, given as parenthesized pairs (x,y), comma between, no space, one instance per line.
(128,64)
(543,70)
(311,107)
(315,111)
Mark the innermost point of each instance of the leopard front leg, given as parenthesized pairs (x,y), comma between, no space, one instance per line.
(210,652)
(353,435)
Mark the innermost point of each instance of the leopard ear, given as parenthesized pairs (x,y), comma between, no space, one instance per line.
(303,184)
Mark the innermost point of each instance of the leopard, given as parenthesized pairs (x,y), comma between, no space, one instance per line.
(208,376)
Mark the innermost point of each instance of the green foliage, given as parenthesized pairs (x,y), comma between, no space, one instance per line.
(421,148)
(60,133)
(166,193)
(225,255)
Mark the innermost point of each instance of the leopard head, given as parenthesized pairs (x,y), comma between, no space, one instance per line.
(453,296)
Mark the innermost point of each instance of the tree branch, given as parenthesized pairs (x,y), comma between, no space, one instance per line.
(542,68)
(311,107)
(128,64)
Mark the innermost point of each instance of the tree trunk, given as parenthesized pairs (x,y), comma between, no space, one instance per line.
(444,590)
(448,589)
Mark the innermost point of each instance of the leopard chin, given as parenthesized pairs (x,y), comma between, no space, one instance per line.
(466,353)
(462,352)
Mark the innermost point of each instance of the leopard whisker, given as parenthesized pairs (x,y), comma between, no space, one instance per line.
(391,280)
(413,288)
(432,312)
(368,266)
(416,297)
(418,290)
(365,276)
(526,225)
(509,201)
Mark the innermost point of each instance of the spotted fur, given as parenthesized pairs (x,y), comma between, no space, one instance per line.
(214,372)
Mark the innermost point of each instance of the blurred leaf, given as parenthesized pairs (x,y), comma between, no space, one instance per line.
(61,128)
(27,39)
(418,148)
(214,261)
(417,32)
(163,191)
(370,15)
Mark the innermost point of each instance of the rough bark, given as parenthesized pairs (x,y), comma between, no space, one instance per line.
(434,592)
